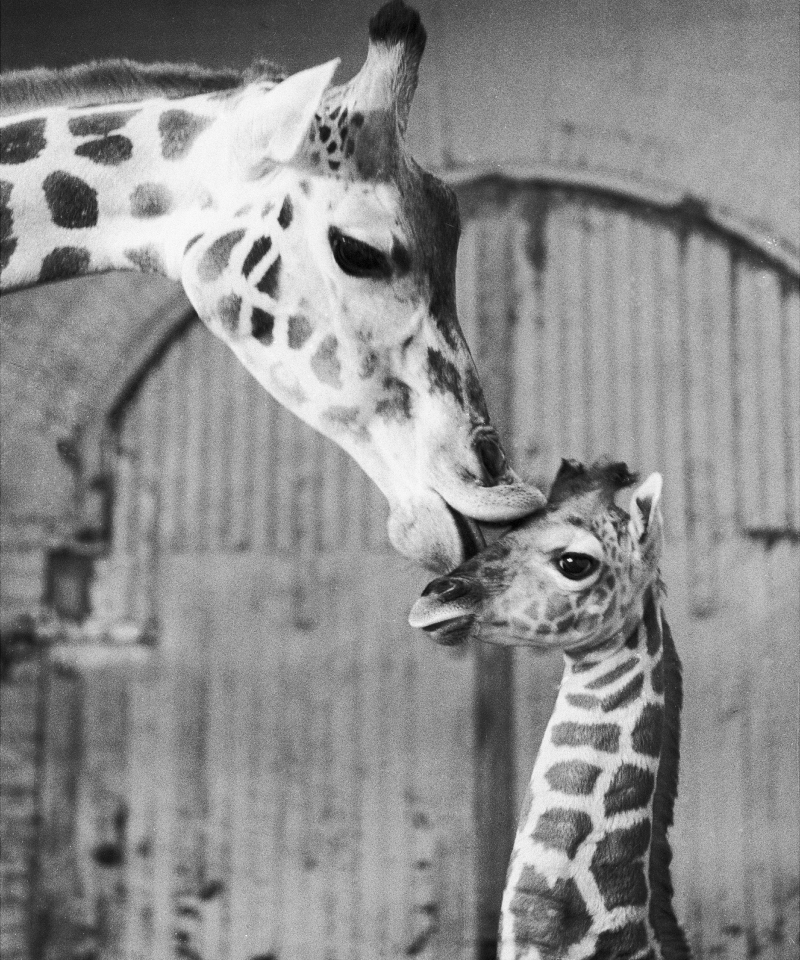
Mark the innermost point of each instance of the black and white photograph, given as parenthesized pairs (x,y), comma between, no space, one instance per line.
(400,480)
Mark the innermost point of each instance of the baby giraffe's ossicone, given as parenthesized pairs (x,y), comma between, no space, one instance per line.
(590,869)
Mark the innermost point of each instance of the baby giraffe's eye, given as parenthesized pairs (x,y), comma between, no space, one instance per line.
(356,258)
(577,566)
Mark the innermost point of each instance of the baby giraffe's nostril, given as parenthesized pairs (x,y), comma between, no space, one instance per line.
(446,588)
(492,457)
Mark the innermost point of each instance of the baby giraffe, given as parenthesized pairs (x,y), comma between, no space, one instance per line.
(590,869)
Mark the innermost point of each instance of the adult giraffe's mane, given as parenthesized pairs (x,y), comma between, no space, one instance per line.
(668,931)
(121,81)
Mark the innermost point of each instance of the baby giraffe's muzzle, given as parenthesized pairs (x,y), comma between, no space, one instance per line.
(447,608)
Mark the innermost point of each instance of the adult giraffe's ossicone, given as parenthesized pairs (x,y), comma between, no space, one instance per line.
(306,238)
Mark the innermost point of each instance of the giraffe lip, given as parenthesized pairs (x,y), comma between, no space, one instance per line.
(453,632)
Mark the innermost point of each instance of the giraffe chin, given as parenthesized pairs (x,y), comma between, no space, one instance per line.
(432,533)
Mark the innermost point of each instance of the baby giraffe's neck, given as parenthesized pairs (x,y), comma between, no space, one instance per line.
(589,873)
(124,186)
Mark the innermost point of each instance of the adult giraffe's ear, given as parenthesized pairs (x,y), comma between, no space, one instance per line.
(645,509)
(270,126)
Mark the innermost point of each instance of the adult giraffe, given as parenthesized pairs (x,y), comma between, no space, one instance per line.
(306,238)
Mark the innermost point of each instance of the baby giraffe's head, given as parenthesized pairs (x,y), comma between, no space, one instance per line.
(570,577)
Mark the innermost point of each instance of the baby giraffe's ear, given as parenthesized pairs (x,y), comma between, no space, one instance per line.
(646,508)
(270,126)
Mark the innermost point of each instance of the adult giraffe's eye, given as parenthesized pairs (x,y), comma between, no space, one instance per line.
(577,566)
(356,258)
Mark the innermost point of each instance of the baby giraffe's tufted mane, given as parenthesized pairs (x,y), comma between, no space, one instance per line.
(121,81)
(668,931)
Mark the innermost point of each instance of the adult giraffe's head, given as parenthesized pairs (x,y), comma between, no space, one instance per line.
(327,263)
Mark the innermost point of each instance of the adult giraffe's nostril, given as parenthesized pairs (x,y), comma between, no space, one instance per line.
(446,588)
(492,458)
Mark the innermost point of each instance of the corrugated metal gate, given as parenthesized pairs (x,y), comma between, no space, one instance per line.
(290,772)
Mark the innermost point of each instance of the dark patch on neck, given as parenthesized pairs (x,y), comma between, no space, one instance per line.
(72,202)
(598,736)
(618,866)
(20,142)
(552,918)
(99,124)
(668,931)
(179,129)
(563,829)
(148,259)
(269,282)
(108,151)
(574,777)
(619,671)
(63,263)
(8,242)
(287,212)
(257,252)
(150,200)
(261,325)
(622,942)
(228,309)
(625,695)
(444,376)
(300,329)
(396,404)
(630,789)
(216,258)
(325,363)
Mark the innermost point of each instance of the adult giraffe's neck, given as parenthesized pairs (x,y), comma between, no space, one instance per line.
(85,190)
(582,875)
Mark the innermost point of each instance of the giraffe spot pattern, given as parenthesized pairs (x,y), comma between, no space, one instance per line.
(178,130)
(269,282)
(563,829)
(8,242)
(148,259)
(599,736)
(256,254)
(216,258)
(150,200)
(396,404)
(64,262)
(108,151)
(99,124)
(23,141)
(625,695)
(325,363)
(630,789)
(443,375)
(228,309)
(646,736)
(619,671)
(299,330)
(261,325)
(617,867)
(72,202)
(573,776)
(585,701)
(286,214)
(621,943)
(552,918)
